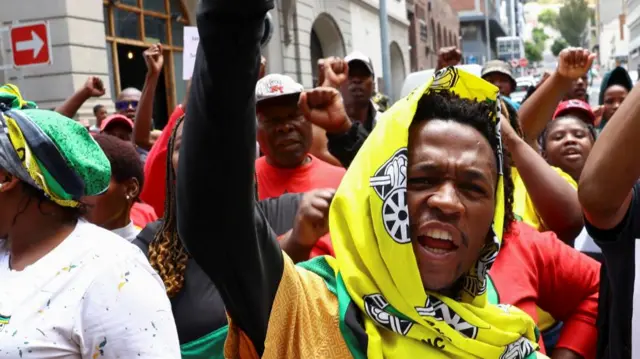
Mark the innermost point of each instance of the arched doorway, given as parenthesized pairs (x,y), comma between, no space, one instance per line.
(397,70)
(131,26)
(326,40)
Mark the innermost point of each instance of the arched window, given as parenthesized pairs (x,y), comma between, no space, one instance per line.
(131,26)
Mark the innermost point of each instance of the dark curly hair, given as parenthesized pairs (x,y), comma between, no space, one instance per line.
(166,253)
(123,157)
(477,114)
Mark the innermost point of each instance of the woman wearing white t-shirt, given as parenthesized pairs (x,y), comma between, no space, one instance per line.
(68,289)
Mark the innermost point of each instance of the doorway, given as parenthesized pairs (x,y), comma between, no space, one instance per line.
(133,71)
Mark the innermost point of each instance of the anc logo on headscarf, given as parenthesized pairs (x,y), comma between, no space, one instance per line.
(438,310)
(390,183)
(521,348)
(445,79)
(378,308)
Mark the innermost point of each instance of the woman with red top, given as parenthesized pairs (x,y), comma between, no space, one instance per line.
(118,209)
(537,270)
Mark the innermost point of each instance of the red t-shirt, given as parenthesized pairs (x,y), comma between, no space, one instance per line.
(536,269)
(142,214)
(316,174)
(155,168)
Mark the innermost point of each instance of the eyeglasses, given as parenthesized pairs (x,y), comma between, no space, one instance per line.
(123,105)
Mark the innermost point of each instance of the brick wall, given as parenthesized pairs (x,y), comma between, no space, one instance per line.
(464,5)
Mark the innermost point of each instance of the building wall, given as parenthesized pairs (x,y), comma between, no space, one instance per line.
(78,51)
(473,43)
(432,13)
(365,37)
(609,10)
(633,22)
(612,43)
(295,34)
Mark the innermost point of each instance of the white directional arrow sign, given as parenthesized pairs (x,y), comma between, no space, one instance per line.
(30,44)
(35,44)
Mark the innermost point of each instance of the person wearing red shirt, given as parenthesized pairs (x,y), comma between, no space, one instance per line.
(536,269)
(285,137)
(155,167)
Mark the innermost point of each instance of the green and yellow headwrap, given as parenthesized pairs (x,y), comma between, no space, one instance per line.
(377,266)
(52,153)
(10,95)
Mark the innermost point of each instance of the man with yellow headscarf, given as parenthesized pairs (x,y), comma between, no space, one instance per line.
(416,223)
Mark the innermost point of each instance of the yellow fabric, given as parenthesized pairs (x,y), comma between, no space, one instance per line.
(525,211)
(523,207)
(12,91)
(304,321)
(378,265)
(31,164)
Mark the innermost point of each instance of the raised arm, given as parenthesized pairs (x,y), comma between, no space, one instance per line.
(92,88)
(554,199)
(218,221)
(538,110)
(613,167)
(142,127)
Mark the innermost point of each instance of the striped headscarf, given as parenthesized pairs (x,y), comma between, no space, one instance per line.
(49,151)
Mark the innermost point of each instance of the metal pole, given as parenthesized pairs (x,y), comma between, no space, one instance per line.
(384,45)
(512,23)
(486,28)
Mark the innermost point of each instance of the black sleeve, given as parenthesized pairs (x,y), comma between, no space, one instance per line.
(146,236)
(624,231)
(345,146)
(218,221)
(617,280)
(280,212)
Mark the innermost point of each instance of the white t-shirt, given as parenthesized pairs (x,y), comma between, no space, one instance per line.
(94,296)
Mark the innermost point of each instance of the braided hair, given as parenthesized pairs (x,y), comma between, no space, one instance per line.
(166,253)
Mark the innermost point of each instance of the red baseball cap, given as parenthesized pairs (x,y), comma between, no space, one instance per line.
(578,106)
(114,119)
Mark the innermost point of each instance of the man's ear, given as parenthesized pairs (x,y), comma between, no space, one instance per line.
(132,188)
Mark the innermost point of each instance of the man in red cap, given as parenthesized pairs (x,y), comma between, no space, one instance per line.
(121,126)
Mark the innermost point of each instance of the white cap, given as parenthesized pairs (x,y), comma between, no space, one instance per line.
(276,85)
(361,57)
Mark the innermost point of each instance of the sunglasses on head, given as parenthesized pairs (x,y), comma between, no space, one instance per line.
(123,105)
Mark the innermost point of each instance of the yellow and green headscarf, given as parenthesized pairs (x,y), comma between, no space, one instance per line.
(377,265)
(50,151)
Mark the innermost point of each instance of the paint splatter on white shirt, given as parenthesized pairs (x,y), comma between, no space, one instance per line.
(94,296)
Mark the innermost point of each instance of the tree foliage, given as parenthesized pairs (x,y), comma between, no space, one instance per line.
(548,18)
(532,52)
(572,21)
(539,37)
(558,45)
